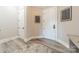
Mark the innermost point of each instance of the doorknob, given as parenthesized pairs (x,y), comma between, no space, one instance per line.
(22,27)
(54,26)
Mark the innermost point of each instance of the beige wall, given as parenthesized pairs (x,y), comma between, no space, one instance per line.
(68,27)
(8,22)
(33,29)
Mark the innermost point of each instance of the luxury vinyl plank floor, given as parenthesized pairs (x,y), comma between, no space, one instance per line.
(32,46)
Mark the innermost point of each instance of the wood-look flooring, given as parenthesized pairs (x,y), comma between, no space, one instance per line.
(32,46)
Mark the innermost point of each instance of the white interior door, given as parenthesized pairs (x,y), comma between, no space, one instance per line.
(21,28)
(49,19)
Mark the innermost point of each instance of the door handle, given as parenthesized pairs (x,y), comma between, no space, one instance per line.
(54,26)
(22,27)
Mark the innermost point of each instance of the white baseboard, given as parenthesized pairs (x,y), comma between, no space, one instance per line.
(7,39)
(63,43)
(30,38)
(58,40)
(12,38)
(22,38)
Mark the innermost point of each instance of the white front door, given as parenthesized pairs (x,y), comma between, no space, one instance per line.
(49,20)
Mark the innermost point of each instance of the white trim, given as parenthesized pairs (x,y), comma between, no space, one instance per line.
(62,42)
(13,38)
(25,39)
(7,39)
(58,40)
(30,38)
